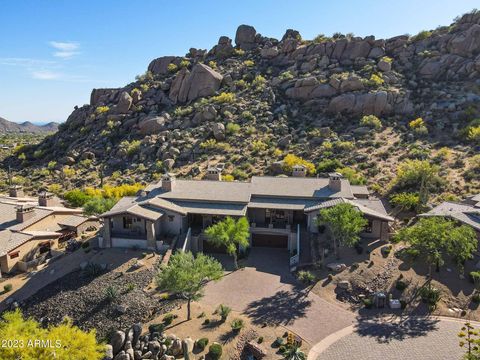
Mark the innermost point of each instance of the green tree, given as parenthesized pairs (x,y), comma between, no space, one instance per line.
(230,233)
(76,198)
(67,341)
(433,238)
(345,223)
(98,205)
(186,275)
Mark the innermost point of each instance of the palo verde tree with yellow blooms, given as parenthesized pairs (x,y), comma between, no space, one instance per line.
(25,339)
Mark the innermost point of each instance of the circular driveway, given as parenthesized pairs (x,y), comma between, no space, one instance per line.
(410,338)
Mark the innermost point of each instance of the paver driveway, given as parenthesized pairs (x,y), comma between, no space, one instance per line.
(416,339)
(267,292)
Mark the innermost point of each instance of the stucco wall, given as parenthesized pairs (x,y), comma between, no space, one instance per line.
(172,223)
(117,225)
(8,264)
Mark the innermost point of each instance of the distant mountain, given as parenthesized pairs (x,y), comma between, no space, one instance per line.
(26,127)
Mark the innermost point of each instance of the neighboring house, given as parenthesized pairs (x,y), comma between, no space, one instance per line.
(31,229)
(466,212)
(282,211)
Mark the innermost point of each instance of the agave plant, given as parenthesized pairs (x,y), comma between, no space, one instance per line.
(223,311)
(294,353)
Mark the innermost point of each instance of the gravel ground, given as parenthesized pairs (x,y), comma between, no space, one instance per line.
(83,299)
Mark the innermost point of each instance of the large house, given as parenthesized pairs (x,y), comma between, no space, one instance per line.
(281,210)
(32,229)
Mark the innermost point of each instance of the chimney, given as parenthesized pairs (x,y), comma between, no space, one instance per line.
(16,191)
(168,182)
(299,171)
(335,181)
(46,199)
(215,172)
(25,212)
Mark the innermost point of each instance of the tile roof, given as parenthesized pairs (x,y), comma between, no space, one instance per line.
(212,208)
(279,203)
(9,240)
(73,220)
(467,214)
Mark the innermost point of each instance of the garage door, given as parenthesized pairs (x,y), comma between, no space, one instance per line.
(263,240)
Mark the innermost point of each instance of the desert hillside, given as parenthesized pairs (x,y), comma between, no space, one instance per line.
(358,105)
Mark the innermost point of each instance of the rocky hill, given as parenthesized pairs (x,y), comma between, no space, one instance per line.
(25,127)
(251,102)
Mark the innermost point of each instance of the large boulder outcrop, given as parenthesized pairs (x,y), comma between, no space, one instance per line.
(124,103)
(202,81)
(159,66)
(245,37)
(373,103)
(151,126)
(224,48)
(309,88)
(102,96)
(466,43)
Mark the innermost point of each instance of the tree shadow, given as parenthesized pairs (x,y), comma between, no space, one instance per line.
(228,336)
(396,327)
(282,308)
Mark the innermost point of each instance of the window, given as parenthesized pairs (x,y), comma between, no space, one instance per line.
(171,218)
(14,255)
(369,227)
(127,222)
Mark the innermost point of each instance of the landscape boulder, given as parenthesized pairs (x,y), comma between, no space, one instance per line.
(124,103)
(218,131)
(245,37)
(117,341)
(384,65)
(159,66)
(151,126)
(337,267)
(202,81)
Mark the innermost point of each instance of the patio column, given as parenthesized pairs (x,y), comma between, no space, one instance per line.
(151,238)
(107,233)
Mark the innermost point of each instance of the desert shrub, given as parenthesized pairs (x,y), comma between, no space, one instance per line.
(201,343)
(76,198)
(238,52)
(375,80)
(291,160)
(320,38)
(228,177)
(212,64)
(156,328)
(111,294)
(224,97)
(387,59)
(406,201)
(258,145)
(418,126)
(411,174)
(422,35)
(232,128)
(133,147)
(184,64)
(239,174)
(223,311)
(237,324)
(306,277)
(430,296)
(260,340)
(278,342)
(401,285)
(98,205)
(101,110)
(352,175)
(172,68)
(249,63)
(7,288)
(328,165)
(286,75)
(130,287)
(368,303)
(92,270)
(371,121)
(168,319)
(259,82)
(215,351)
(474,134)
(182,111)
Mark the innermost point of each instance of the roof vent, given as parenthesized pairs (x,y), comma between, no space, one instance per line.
(335,181)
(25,212)
(168,181)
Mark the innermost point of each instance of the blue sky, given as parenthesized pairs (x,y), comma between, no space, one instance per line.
(52,52)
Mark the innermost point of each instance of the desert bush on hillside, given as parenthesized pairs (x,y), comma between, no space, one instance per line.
(224,97)
(405,201)
(371,121)
(352,175)
(291,160)
(413,175)
(328,165)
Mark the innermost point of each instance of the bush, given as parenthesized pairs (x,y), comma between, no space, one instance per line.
(368,303)
(476,298)
(168,319)
(401,285)
(172,68)
(411,172)
(111,294)
(371,121)
(422,35)
(85,245)
(215,351)
(249,63)
(92,270)
(232,128)
(406,201)
(286,75)
(352,175)
(156,328)
(306,277)
(430,296)
(130,287)
(237,324)
(328,165)
(278,342)
(291,160)
(101,110)
(7,288)
(474,134)
(223,311)
(201,344)
(224,98)
(260,340)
